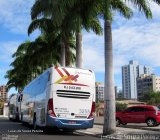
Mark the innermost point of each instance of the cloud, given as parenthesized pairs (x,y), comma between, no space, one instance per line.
(93,54)
(137,39)
(7,49)
(93,59)
(138,42)
(15,15)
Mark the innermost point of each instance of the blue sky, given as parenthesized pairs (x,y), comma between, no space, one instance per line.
(136,39)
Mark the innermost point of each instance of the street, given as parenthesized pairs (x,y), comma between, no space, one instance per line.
(11,130)
(18,131)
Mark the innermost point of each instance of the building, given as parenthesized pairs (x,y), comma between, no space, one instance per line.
(130,73)
(147,83)
(120,94)
(100,91)
(3,93)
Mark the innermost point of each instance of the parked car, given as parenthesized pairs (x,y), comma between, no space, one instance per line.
(139,114)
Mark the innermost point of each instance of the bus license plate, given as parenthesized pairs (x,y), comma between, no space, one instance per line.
(72,122)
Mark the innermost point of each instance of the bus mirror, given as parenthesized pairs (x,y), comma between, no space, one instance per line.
(20,98)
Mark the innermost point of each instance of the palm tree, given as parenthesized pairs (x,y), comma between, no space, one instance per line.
(65,39)
(109,119)
(78,21)
(32,58)
(106,9)
(68,17)
(19,75)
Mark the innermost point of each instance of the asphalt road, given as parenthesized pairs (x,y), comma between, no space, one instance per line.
(17,131)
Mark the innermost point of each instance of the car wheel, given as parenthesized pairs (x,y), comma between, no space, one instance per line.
(151,122)
(118,121)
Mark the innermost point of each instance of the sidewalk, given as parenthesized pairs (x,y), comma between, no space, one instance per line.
(142,126)
(121,133)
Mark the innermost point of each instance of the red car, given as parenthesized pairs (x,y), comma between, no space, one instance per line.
(139,114)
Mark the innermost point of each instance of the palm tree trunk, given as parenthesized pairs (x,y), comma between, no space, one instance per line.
(109,97)
(67,53)
(79,60)
(63,55)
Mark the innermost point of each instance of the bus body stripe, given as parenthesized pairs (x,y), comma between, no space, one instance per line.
(69,78)
(61,79)
(75,77)
(75,84)
(60,73)
(66,71)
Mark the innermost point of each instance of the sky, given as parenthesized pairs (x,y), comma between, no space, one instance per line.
(134,39)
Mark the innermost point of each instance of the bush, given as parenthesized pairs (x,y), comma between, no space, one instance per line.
(152,98)
(121,107)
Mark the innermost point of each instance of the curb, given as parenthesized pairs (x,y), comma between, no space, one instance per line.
(142,128)
(114,135)
(117,135)
(88,133)
(156,129)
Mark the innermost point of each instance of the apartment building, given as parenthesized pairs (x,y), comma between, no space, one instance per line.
(130,73)
(3,93)
(147,83)
(100,91)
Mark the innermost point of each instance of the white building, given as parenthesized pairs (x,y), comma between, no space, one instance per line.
(130,73)
(99,91)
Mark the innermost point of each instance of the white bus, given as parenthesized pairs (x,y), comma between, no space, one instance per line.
(61,97)
(13,107)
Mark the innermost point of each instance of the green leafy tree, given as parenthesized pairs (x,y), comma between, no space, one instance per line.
(153,98)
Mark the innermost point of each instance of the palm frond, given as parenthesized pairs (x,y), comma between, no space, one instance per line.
(142,6)
(40,9)
(122,8)
(43,24)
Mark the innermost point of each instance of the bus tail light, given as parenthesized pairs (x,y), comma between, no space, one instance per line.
(50,109)
(92,111)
